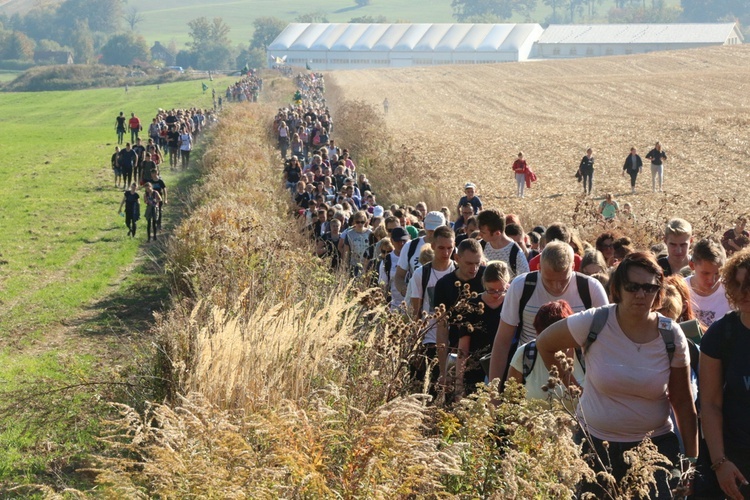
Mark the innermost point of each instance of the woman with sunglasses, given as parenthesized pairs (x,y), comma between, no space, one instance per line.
(635,373)
(479,327)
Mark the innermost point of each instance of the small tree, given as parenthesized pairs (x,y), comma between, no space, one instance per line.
(123,49)
(266,30)
(133,17)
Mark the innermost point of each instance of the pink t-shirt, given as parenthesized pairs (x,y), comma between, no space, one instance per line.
(626,386)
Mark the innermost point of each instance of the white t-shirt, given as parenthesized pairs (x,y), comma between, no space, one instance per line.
(539,375)
(415,287)
(709,309)
(492,253)
(540,297)
(396,297)
(626,383)
(403,260)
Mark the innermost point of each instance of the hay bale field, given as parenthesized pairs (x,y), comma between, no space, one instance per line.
(469,122)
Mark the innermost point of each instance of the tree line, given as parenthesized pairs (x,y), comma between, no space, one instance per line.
(102,31)
(623,11)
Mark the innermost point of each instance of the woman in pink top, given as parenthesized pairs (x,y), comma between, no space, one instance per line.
(632,381)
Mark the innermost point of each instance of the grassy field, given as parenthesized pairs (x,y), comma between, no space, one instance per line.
(6,76)
(72,284)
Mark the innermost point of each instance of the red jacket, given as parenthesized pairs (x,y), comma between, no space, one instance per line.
(530,177)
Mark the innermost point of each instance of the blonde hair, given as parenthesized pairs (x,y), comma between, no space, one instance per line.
(426,254)
(671,305)
(558,256)
(677,227)
(386,244)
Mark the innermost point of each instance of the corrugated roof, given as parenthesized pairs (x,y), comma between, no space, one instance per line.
(637,33)
(404,37)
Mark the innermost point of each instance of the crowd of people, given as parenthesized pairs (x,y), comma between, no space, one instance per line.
(649,334)
(247,89)
(171,137)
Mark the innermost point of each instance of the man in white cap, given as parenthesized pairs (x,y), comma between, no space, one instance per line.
(409,259)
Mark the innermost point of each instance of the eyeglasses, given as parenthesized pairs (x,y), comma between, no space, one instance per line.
(607,245)
(646,287)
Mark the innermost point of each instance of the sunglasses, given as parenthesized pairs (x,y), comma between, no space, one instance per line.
(646,287)
(359,222)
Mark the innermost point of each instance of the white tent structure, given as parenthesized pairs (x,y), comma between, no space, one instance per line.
(560,41)
(328,46)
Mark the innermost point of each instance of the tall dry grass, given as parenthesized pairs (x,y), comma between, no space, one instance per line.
(401,171)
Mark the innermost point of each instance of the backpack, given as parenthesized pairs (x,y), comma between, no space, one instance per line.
(513,255)
(600,319)
(529,286)
(409,255)
(529,359)
(426,270)
(665,326)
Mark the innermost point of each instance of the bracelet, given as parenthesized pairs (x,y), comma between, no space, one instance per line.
(692,460)
(715,466)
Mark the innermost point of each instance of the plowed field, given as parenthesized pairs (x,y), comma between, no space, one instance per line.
(471,121)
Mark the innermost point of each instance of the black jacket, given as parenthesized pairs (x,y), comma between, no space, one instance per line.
(629,163)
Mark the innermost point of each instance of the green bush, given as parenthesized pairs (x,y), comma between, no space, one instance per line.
(16,65)
(84,76)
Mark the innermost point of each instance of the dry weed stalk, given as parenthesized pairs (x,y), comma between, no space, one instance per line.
(326,448)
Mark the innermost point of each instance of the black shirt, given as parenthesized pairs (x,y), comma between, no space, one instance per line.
(587,164)
(664,264)
(128,159)
(447,293)
(158,186)
(130,200)
(728,340)
(173,138)
(482,332)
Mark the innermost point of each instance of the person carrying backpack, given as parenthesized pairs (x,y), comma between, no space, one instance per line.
(555,280)
(387,269)
(527,369)
(637,372)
